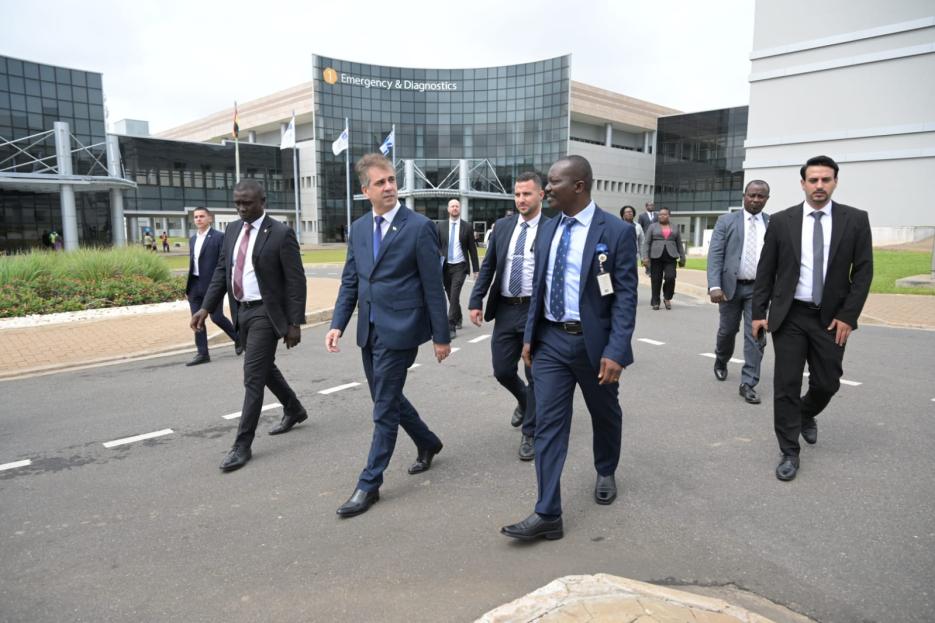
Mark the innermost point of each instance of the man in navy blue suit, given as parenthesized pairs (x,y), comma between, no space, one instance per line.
(507,273)
(578,332)
(203,251)
(393,277)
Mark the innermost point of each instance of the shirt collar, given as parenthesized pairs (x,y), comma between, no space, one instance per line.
(532,222)
(747,215)
(389,216)
(584,217)
(202,235)
(807,209)
(255,225)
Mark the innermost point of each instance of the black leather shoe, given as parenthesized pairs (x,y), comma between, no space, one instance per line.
(199,359)
(236,458)
(359,502)
(810,431)
(527,449)
(287,422)
(453,333)
(518,414)
(749,394)
(605,489)
(458,326)
(424,460)
(668,304)
(656,307)
(787,467)
(534,527)
(720,372)
(238,347)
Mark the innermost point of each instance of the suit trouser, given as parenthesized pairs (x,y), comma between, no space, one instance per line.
(217,316)
(560,361)
(259,371)
(454,276)
(386,375)
(662,275)
(506,347)
(802,338)
(730,316)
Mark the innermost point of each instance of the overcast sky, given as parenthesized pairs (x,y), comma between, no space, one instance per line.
(173,61)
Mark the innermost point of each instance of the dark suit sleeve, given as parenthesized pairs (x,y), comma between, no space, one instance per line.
(766,272)
(623,309)
(433,291)
(219,280)
(716,253)
(680,244)
(347,295)
(290,257)
(485,278)
(472,248)
(647,241)
(861,273)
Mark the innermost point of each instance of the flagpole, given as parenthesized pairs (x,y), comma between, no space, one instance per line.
(394,146)
(236,146)
(347,172)
(295,178)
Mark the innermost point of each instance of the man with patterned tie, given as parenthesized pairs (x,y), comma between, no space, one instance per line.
(814,276)
(508,267)
(458,247)
(392,276)
(260,268)
(578,332)
(732,258)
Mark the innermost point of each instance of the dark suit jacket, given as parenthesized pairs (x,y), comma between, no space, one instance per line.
(645,220)
(847,277)
(403,286)
(277,263)
(207,262)
(654,242)
(468,244)
(726,251)
(495,266)
(607,321)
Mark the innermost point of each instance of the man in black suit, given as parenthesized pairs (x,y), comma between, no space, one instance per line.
(261,270)
(457,247)
(203,251)
(648,217)
(509,266)
(814,274)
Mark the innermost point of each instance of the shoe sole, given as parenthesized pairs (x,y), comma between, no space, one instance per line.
(548,536)
(786,478)
(603,502)
(526,458)
(280,432)
(356,513)
(232,468)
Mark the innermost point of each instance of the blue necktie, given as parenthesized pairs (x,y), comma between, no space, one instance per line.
(557,298)
(516,268)
(452,229)
(377,234)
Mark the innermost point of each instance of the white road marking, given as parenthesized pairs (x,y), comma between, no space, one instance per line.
(414,366)
(332,390)
(135,438)
(15,464)
(235,415)
(649,341)
(844,381)
(455,349)
(479,339)
(713,356)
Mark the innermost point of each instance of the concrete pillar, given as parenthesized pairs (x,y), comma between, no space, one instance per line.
(409,182)
(185,225)
(608,135)
(698,237)
(118,226)
(67,192)
(464,185)
(251,136)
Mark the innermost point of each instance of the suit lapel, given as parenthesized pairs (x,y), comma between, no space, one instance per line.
(838,224)
(594,234)
(398,223)
(262,237)
(544,248)
(795,226)
(503,251)
(739,225)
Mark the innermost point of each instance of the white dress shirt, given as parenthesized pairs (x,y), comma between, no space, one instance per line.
(456,250)
(199,242)
(387,221)
(803,290)
(251,287)
(529,260)
(573,263)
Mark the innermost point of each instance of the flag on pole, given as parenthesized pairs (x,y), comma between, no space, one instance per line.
(387,145)
(341,144)
(236,122)
(288,137)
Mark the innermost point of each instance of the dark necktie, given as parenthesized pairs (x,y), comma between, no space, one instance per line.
(818,258)
(557,297)
(377,235)
(516,268)
(239,263)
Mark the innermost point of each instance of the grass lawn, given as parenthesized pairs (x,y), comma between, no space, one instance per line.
(888,266)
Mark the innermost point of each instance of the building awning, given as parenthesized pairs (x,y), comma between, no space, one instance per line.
(51,183)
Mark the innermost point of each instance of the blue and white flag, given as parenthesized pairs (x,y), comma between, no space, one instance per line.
(387,145)
(341,144)
(288,137)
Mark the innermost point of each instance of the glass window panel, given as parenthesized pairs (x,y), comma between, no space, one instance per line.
(62,75)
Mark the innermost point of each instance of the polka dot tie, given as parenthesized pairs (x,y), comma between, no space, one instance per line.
(557,296)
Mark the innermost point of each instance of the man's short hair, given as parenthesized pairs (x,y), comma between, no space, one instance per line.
(819,161)
(529,176)
(625,208)
(251,184)
(581,169)
(756,183)
(370,161)
(202,209)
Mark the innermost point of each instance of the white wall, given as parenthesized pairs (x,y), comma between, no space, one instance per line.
(621,167)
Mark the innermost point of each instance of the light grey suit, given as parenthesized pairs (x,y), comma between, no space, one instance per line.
(724,257)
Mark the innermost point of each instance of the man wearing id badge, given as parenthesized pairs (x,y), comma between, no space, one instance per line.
(581,319)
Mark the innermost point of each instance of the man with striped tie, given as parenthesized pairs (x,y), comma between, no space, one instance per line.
(508,267)
(458,247)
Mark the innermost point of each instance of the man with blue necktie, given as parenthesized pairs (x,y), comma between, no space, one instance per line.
(458,247)
(393,277)
(578,332)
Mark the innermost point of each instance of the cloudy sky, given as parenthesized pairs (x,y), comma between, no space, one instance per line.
(174,61)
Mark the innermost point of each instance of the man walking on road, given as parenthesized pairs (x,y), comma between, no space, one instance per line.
(814,275)
(457,247)
(732,258)
(508,267)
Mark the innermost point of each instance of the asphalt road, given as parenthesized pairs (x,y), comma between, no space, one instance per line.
(153,531)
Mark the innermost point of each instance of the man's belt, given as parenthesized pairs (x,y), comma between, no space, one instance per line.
(571,328)
(805,304)
(515,300)
(249,304)
(746,282)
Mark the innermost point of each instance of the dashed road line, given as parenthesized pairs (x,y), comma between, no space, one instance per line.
(338,388)
(15,464)
(713,356)
(236,414)
(646,340)
(479,339)
(455,349)
(414,366)
(135,438)
(843,381)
